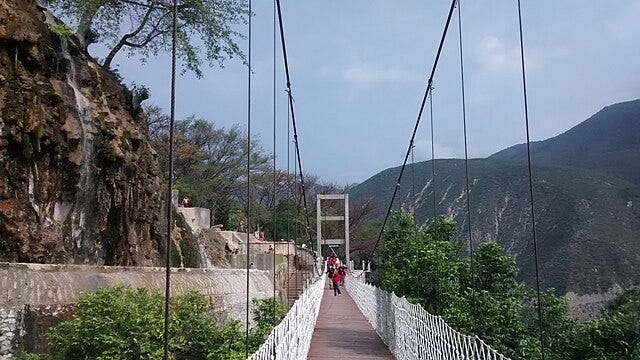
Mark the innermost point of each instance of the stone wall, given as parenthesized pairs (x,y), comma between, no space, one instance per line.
(9,328)
(34,297)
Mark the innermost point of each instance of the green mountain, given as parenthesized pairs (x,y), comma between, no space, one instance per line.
(586,221)
(608,142)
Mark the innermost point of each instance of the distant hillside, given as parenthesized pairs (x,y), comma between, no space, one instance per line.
(587,223)
(587,192)
(608,141)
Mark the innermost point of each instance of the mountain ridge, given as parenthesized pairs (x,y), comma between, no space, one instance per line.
(606,142)
(586,218)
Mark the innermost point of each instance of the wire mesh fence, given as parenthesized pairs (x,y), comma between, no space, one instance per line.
(411,332)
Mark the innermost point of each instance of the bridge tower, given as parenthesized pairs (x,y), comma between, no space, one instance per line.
(321,218)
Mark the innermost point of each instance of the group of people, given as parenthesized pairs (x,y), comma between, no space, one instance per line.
(336,273)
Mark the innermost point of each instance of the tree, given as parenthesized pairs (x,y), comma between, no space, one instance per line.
(421,265)
(480,297)
(205,28)
(616,333)
(490,300)
(209,161)
(561,332)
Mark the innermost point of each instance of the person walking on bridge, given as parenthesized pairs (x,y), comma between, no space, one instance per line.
(336,283)
(342,270)
(330,273)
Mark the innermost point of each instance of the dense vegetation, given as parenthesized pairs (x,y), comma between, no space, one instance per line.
(483,297)
(124,323)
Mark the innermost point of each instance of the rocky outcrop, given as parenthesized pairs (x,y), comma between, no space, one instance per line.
(80,182)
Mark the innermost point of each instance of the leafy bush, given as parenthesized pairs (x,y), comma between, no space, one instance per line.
(267,313)
(125,323)
(61,29)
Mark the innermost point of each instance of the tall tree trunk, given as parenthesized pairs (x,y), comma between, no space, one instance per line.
(84,26)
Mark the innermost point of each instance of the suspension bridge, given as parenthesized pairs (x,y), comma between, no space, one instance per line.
(365,321)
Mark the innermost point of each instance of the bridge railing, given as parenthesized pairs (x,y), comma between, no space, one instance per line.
(291,339)
(411,332)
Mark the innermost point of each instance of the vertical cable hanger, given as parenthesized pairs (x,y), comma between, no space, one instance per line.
(296,226)
(466,169)
(246,342)
(289,206)
(433,154)
(167,288)
(413,183)
(531,198)
(274,165)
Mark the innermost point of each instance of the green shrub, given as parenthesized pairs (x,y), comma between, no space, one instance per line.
(124,323)
(267,313)
(61,29)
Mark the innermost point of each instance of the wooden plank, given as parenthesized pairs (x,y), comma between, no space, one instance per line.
(342,332)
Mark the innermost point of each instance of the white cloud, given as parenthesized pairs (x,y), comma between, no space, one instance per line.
(494,56)
(366,74)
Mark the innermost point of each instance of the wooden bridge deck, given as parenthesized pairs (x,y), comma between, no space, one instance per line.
(342,332)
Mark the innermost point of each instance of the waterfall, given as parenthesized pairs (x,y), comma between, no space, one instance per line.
(32,199)
(204,258)
(84,199)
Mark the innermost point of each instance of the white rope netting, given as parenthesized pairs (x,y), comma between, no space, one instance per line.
(411,332)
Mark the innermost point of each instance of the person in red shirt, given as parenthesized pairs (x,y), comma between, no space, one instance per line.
(336,283)
(330,273)
(343,273)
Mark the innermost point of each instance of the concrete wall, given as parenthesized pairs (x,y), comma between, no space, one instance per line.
(38,291)
(197,218)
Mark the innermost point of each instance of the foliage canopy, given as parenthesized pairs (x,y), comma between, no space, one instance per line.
(205,31)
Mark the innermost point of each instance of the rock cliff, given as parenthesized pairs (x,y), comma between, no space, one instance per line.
(80,182)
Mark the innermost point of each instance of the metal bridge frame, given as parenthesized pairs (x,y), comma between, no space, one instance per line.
(345,218)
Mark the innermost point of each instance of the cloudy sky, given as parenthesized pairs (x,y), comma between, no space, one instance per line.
(359,69)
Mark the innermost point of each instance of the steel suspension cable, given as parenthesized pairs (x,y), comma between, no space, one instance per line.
(167,287)
(413,183)
(433,154)
(296,226)
(466,170)
(288,208)
(274,166)
(293,120)
(415,128)
(246,341)
(531,198)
